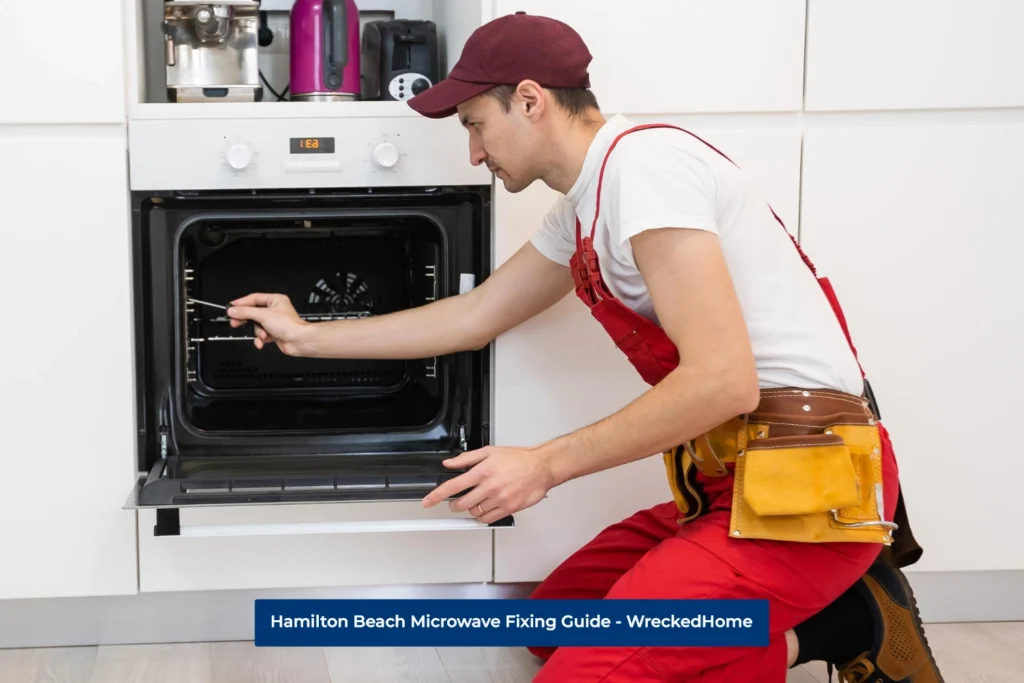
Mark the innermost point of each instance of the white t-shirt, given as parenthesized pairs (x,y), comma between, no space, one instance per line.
(666,178)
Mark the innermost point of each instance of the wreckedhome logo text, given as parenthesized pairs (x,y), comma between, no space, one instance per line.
(700,621)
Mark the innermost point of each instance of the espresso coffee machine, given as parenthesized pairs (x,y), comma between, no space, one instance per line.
(212,51)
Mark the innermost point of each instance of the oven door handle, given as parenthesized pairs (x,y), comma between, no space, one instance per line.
(168,524)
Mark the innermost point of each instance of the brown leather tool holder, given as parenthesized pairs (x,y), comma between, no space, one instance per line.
(810,470)
(807,465)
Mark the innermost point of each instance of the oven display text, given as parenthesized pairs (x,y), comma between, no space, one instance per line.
(312,145)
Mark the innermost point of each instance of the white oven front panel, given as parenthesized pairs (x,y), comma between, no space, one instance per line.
(210,154)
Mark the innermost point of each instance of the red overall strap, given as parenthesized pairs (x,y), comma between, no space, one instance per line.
(826,286)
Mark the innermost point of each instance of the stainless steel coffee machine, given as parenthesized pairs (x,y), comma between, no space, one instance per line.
(212,51)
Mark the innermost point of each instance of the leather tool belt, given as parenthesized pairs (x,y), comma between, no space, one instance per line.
(807,467)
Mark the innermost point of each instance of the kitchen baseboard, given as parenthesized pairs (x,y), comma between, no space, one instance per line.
(200,616)
(228,615)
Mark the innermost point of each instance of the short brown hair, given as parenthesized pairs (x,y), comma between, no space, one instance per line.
(575,101)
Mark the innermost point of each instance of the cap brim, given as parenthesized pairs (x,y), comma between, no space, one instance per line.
(441,100)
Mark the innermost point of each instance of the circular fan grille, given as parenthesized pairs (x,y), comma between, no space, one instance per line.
(341,293)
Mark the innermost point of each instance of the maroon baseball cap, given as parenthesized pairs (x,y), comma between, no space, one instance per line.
(507,51)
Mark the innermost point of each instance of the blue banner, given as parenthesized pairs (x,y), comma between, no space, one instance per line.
(511,623)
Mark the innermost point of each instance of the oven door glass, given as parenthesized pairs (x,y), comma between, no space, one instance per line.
(225,423)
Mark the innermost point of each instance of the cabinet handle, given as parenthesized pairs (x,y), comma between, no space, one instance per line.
(311,528)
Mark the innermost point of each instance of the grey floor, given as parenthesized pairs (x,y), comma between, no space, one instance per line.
(967,653)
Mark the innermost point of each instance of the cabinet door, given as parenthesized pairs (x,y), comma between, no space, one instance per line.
(63,62)
(560,371)
(67,423)
(300,546)
(919,230)
(695,56)
(923,54)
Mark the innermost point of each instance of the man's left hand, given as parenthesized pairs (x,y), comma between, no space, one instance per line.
(502,481)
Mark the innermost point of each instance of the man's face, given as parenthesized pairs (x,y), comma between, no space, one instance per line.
(505,141)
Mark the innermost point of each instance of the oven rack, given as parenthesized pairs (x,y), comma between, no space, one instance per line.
(193,321)
(310,317)
(432,274)
(187,276)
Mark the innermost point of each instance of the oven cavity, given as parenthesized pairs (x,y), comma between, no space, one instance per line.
(331,270)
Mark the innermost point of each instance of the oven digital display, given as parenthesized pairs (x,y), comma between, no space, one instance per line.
(312,145)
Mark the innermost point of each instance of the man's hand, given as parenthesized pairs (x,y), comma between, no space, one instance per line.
(503,481)
(275,318)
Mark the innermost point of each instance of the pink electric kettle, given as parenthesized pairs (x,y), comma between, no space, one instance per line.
(325,51)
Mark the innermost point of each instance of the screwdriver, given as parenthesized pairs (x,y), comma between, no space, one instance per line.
(206,303)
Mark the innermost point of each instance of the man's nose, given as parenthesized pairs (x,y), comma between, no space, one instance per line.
(477,155)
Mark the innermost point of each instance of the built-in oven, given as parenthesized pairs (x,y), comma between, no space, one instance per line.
(222,422)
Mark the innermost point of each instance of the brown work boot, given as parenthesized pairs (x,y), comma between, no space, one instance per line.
(900,653)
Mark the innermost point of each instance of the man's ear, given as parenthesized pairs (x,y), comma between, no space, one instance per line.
(531,97)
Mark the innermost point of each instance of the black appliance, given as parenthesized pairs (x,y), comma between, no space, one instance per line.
(399,59)
(222,423)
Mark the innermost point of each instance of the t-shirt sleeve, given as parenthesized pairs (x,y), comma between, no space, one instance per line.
(556,236)
(659,185)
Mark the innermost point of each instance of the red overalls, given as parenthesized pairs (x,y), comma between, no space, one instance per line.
(652,555)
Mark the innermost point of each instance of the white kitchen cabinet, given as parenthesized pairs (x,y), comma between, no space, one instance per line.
(919,230)
(67,420)
(62,64)
(245,549)
(695,56)
(560,371)
(916,54)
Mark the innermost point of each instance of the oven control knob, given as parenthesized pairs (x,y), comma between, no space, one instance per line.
(386,155)
(239,157)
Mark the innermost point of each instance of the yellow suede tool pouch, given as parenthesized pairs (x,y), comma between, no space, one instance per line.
(822,484)
(799,475)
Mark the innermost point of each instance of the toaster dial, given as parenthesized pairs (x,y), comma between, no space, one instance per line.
(408,85)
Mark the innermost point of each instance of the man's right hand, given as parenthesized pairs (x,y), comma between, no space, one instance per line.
(275,319)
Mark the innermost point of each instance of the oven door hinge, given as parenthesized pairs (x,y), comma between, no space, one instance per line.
(463,444)
(165,421)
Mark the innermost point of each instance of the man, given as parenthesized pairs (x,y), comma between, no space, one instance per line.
(784,483)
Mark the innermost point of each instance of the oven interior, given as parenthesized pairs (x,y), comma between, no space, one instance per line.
(222,421)
(331,270)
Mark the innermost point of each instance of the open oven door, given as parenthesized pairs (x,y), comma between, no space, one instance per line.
(177,483)
(369,467)
(225,424)
(169,520)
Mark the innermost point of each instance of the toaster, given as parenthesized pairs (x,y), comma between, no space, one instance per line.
(399,59)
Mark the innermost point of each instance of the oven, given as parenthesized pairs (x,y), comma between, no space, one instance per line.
(221,422)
